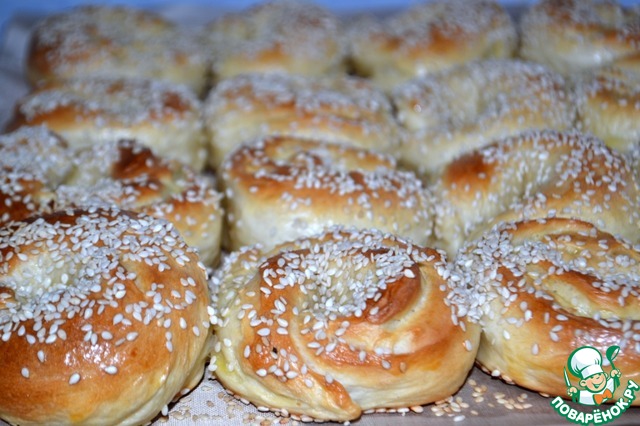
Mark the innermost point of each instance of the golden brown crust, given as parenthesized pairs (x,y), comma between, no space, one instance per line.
(609,106)
(277,36)
(450,113)
(123,173)
(552,286)
(345,110)
(430,37)
(166,117)
(114,41)
(536,175)
(574,35)
(280,188)
(330,326)
(104,318)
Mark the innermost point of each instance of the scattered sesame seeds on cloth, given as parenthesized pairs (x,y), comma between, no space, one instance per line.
(482,401)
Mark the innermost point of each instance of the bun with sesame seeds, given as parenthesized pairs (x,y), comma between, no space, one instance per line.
(575,35)
(547,287)
(164,116)
(103,315)
(430,37)
(346,110)
(536,175)
(281,36)
(609,106)
(331,326)
(114,41)
(123,174)
(449,113)
(282,188)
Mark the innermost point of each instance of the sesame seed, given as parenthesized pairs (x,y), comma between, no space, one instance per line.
(74,378)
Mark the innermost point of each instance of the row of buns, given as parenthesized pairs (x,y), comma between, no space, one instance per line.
(323,192)
(304,38)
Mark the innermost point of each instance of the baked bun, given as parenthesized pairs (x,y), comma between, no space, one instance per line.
(42,174)
(453,112)
(331,326)
(114,41)
(549,287)
(346,110)
(163,116)
(104,318)
(609,106)
(537,175)
(279,189)
(277,36)
(430,37)
(574,35)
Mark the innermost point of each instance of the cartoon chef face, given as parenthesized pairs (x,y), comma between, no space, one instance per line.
(595,383)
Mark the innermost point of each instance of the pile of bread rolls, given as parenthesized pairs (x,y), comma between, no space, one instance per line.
(330,215)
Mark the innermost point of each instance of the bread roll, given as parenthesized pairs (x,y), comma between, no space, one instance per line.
(284,36)
(609,106)
(546,288)
(575,35)
(328,327)
(279,189)
(537,175)
(104,318)
(165,117)
(453,112)
(430,37)
(42,174)
(114,42)
(346,110)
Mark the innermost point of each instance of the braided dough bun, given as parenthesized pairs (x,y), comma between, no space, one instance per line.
(104,318)
(453,112)
(163,116)
(114,41)
(548,287)
(124,174)
(609,106)
(346,110)
(331,326)
(536,175)
(575,35)
(430,37)
(279,189)
(285,36)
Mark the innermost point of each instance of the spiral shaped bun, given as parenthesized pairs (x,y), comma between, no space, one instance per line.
(430,37)
(122,174)
(330,326)
(549,287)
(103,316)
(453,112)
(574,35)
(609,106)
(163,116)
(277,36)
(280,189)
(114,41)
(346,110)
(537,175)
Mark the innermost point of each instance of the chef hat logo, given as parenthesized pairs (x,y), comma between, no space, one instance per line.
(584,362)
